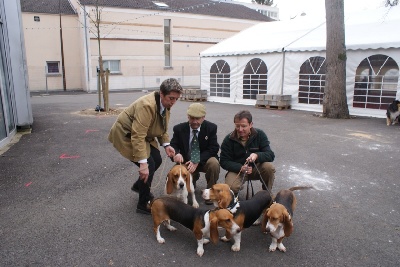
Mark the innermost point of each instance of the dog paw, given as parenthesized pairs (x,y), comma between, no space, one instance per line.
(235,247)
(161,240)
(171,228)
(206,241)
(224,239)
(200,251)
(282,248)
(195,205)
(272,248)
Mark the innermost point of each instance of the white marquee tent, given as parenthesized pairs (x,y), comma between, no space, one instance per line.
(285,46)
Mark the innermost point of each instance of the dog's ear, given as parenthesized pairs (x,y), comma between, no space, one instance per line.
(214,236)
(264,221)
(188,181)
(169,185)
(225,199)
(286,216)
(288,224)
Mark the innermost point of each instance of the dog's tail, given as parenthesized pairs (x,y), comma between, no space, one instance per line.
(304,187)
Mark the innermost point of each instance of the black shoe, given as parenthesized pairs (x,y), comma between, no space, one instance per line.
(143,209)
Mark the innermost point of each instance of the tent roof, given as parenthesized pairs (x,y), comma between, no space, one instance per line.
(370,29)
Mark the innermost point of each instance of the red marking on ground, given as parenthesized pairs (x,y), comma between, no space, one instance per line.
(89,131)
(64,156)
(28,184)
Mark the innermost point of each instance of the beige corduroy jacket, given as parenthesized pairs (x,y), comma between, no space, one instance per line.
(138,126)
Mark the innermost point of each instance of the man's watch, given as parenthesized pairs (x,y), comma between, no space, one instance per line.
(166,146)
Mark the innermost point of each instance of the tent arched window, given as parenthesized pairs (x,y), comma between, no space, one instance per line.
(376,81)
(220,79)
(255,77)
(312,81)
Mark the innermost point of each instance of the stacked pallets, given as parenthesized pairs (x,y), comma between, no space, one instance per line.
(273,101)
(194,95)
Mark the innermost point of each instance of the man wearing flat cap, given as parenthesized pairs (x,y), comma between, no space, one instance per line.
(195,143)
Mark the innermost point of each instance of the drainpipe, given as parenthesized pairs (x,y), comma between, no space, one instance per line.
(62,49)
(87,52)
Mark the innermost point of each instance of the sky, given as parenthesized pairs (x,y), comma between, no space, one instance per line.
(316,8)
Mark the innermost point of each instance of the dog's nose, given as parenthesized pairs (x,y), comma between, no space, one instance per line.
(181,185)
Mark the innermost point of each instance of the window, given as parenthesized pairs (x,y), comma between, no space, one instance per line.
(220,79)
(376,81)
(255,77)
(53,67)
(312,81)
(167,42)
(112,65)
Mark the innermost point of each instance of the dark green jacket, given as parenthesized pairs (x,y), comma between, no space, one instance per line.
(234,154)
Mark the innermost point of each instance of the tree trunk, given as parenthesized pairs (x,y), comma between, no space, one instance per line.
(335,99)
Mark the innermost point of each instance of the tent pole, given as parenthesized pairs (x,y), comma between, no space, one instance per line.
(283,69)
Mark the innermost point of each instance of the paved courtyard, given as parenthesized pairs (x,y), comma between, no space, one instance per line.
(65,197)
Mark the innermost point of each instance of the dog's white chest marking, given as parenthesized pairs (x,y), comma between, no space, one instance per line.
(206,229)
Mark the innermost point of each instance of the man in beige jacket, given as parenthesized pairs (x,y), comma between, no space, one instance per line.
(135,132)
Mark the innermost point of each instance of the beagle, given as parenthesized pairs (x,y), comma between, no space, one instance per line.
(245,213)
(277,219)
(179,183)
(203,223)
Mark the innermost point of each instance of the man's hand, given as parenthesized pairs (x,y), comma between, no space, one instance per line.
(144,172)
(252,158)
(178,158)
(191,166)
(246,169)
(170,151)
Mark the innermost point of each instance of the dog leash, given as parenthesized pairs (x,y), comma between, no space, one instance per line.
(162,171)
(262,181)
(249,183)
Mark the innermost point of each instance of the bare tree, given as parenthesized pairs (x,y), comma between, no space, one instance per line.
(335,99)
(95,18)
(97,23)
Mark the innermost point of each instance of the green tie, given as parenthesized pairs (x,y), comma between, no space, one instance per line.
(194,148)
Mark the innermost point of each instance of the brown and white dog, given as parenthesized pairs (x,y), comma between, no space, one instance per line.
(203,223)
(245,212)
(277,219)
(179,183)
(393,113)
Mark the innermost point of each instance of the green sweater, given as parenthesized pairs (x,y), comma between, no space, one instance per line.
(234,154)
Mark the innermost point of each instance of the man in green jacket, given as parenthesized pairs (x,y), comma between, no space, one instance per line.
(135,132)
(244,148)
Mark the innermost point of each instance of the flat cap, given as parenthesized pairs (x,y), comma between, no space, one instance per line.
(196,110)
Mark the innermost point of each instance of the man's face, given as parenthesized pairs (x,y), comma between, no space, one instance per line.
(195,122)
(169,100)
(243,127)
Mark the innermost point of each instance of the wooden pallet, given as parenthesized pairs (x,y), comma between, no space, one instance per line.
(273,107)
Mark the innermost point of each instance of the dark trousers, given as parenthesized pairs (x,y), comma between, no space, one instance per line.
(154,162)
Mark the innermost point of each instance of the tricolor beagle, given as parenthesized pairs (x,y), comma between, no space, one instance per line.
(203,223)
(179,183)
(245,212)
(277,219)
